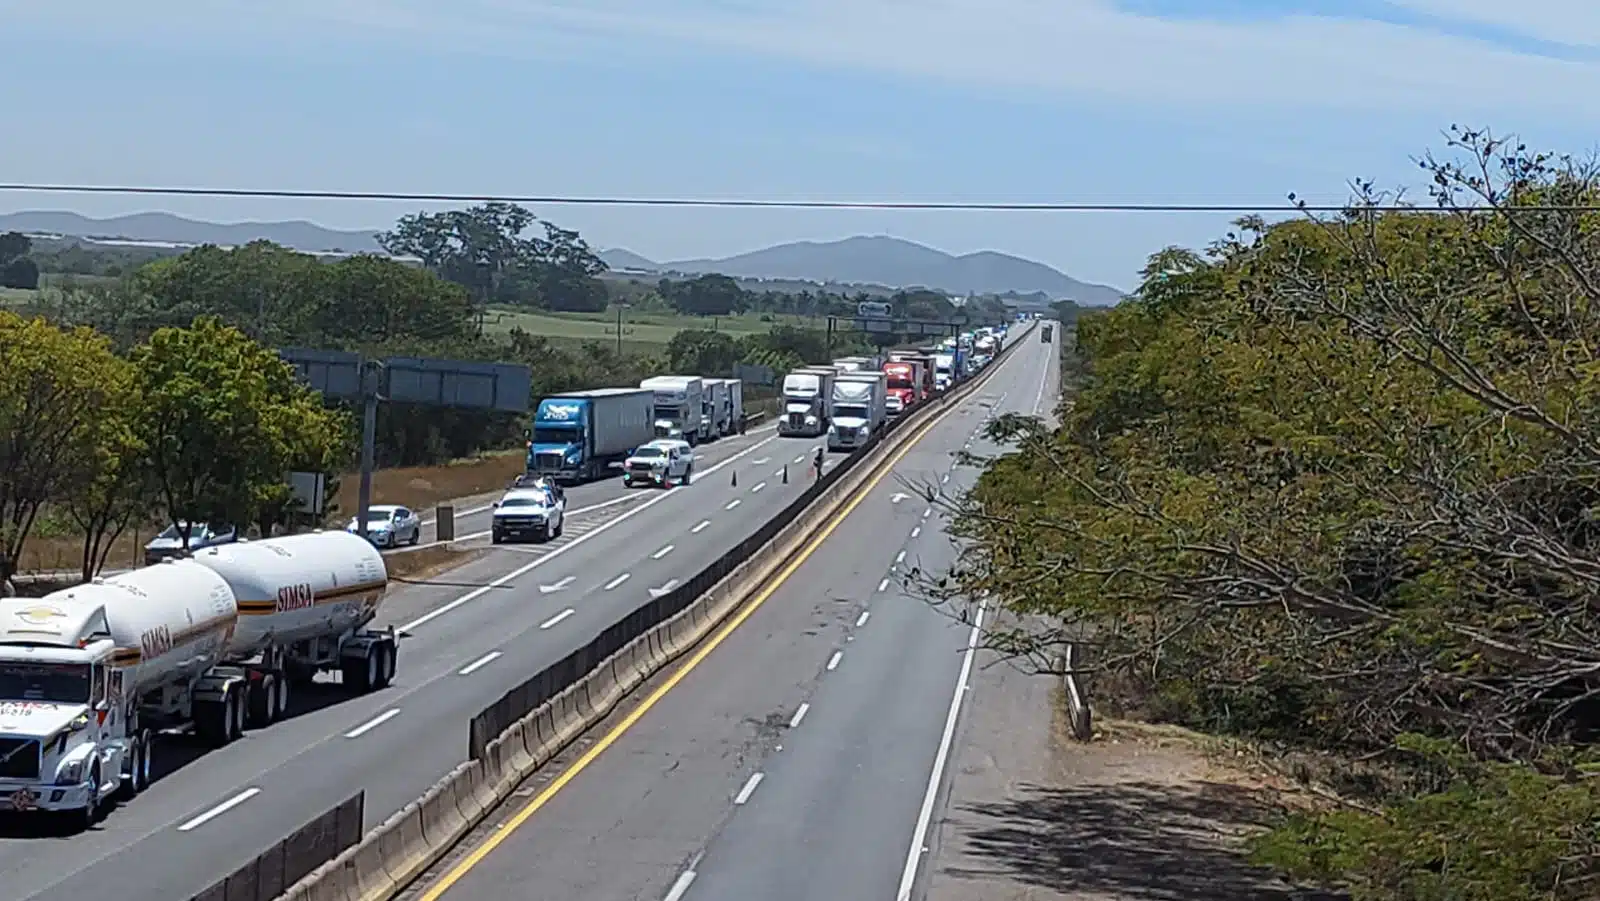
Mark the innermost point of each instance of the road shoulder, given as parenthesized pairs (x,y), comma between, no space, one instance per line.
(1137,814)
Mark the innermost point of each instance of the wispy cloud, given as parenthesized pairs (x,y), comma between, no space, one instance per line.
(1083,48)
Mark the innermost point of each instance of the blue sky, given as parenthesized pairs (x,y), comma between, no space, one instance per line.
(1227,101)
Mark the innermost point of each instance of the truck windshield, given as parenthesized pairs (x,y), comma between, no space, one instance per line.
(667,412)
(62,683)
(645,452)
(901,380)
(850,412)
(555,434)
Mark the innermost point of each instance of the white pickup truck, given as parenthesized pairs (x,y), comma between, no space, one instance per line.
(658,463)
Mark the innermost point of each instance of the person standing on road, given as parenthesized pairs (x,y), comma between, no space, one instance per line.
(816,464)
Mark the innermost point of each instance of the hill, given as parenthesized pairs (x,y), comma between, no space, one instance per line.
(166,228)
(880,261)
(891,262)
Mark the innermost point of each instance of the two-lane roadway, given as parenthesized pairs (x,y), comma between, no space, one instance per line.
(799,754)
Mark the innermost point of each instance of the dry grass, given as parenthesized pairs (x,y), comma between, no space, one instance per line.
(419,487)
(423,487)
(430,560)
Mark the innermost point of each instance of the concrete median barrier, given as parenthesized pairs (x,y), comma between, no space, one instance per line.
(404,846)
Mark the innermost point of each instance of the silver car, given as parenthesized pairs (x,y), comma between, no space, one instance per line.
(170,544)
(388,525)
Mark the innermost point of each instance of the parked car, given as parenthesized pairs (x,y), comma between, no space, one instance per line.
(388,525)
(658,463)
(170,544)
(532,508)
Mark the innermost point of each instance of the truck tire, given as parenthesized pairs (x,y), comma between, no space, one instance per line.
(361,674)
(688,475)
(220,722)
(264,701)
(388,660)
(90,814)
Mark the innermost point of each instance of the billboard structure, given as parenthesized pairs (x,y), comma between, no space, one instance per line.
(499,387)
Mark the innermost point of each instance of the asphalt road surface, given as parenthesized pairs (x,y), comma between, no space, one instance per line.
(802,756)
(474,633)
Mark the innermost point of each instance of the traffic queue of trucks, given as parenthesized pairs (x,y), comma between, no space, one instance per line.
(210,643)
(579,436)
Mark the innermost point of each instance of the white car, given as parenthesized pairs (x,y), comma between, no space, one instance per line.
(658,463)
(388,525)
(536,510)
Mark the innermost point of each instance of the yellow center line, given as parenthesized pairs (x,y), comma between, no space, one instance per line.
(466,865)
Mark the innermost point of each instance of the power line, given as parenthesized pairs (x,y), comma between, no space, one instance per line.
(745,203)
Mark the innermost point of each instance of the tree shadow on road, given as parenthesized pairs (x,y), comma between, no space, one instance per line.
(1138,841)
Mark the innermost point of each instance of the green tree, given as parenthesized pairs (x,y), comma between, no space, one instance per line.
(484,249)
(224,420)
(21,272)
(702,352)
(13,245)
(118,489)
(1332,484)
(52,383)
(706,295)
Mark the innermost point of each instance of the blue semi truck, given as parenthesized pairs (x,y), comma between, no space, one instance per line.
(576,436)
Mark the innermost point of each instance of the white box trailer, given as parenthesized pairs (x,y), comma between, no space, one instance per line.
(714,403)
(858,409)
(735,406)
(89,674)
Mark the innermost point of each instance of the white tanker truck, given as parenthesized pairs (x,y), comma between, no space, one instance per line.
(89,674)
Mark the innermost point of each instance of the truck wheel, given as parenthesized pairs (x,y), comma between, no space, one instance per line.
(133,761)
(262,699)
(497,538)
(90,813)
(688,475)
(387,658)
(145,765)
(361,674)
(561,526)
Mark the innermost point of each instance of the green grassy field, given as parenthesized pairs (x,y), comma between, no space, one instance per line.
(639,330)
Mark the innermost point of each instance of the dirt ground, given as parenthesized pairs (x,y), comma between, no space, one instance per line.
(1140,813)
(421,487)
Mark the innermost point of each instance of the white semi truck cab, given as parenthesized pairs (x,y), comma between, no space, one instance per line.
(806,393)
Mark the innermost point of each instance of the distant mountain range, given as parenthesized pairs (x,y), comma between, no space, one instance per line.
(878,260)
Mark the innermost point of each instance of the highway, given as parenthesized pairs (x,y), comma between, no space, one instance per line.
(800,754)
(472,634)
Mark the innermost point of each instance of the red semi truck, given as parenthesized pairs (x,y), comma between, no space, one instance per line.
(909,382)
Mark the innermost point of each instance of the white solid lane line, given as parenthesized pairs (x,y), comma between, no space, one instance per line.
(476,593)
(662,553)
(373,723)
(701,527)
(749,788)
(799,714)
(681,887)
(618,581)
(908,877)
(552,621)
(833,662)
(478,664)
(219,810)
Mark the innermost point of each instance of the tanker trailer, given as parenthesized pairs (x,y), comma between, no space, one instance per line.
(304,602)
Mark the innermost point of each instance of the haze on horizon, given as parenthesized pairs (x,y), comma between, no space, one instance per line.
(1146,101)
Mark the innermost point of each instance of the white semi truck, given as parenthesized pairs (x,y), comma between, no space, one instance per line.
(858,409)
(90,674)
(806,392)
(680,412)
(726,398)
